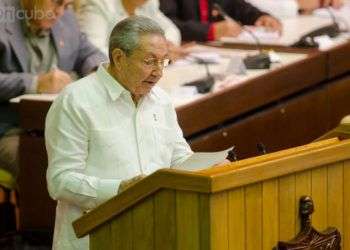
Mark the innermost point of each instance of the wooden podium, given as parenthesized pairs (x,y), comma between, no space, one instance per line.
(248,204)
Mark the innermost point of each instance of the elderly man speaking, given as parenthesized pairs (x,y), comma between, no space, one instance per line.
(108,129)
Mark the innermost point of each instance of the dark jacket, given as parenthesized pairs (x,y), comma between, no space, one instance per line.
(186,15)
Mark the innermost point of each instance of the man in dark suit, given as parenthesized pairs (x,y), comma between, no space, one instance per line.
(199,21)
(41,47)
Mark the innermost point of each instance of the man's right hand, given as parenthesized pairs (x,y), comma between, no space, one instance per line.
(130,182)
(226,28)
(53,81)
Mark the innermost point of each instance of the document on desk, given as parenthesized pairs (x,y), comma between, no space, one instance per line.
(293,29)
(202,160)
(34,97)
(341,15)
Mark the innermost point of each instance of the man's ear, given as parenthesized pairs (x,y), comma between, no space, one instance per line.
(117,56)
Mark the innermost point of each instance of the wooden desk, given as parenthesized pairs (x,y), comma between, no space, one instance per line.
(286,107)
(255,93)
(338,61)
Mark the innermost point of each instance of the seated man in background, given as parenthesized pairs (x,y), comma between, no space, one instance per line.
(98,17)
(199,21)
(107,130)
(291,8)
(40,46)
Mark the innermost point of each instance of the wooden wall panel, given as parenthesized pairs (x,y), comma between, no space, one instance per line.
(270,225)
(319,196)
(335,196)
(253,216)
(165,220)
(143,225)
(236,223)
(122,239)
(101,238)
(204,221)
(287,207)
(219,221)
(346,214)
(187,220)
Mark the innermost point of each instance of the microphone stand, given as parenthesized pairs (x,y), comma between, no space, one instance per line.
(336,29)
(308,40)
(205,84)
(261,60)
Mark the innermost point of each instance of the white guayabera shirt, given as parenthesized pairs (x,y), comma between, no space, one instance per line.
(96,137)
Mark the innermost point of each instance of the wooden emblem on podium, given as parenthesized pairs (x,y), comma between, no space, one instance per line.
(309,238)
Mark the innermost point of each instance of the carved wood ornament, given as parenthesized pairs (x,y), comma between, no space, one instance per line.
(309,238)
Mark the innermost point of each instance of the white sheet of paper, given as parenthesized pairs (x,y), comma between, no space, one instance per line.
(203,160)
(293,30)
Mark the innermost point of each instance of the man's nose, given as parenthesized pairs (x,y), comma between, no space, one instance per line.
(158,70)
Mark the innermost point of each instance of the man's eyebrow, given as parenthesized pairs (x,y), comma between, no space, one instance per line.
(151,54)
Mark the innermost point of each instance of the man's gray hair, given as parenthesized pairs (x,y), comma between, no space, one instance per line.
(125,35)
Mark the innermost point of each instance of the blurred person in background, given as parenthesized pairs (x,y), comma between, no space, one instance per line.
(291,8)
(41,47)
(198,20)
(98,17)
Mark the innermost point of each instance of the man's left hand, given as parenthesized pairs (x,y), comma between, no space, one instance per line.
(125,184)
(269,22)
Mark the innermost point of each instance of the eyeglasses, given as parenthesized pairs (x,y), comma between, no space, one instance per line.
(153,62)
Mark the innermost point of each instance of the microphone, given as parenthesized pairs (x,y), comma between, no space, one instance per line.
(308,40)
(336,29)
(262,59)
(261,148)
(232,155)
(205,84)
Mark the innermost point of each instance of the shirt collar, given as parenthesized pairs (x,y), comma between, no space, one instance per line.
(113,87)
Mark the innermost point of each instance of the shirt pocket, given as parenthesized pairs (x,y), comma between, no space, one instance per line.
(104,138)
(110,147)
